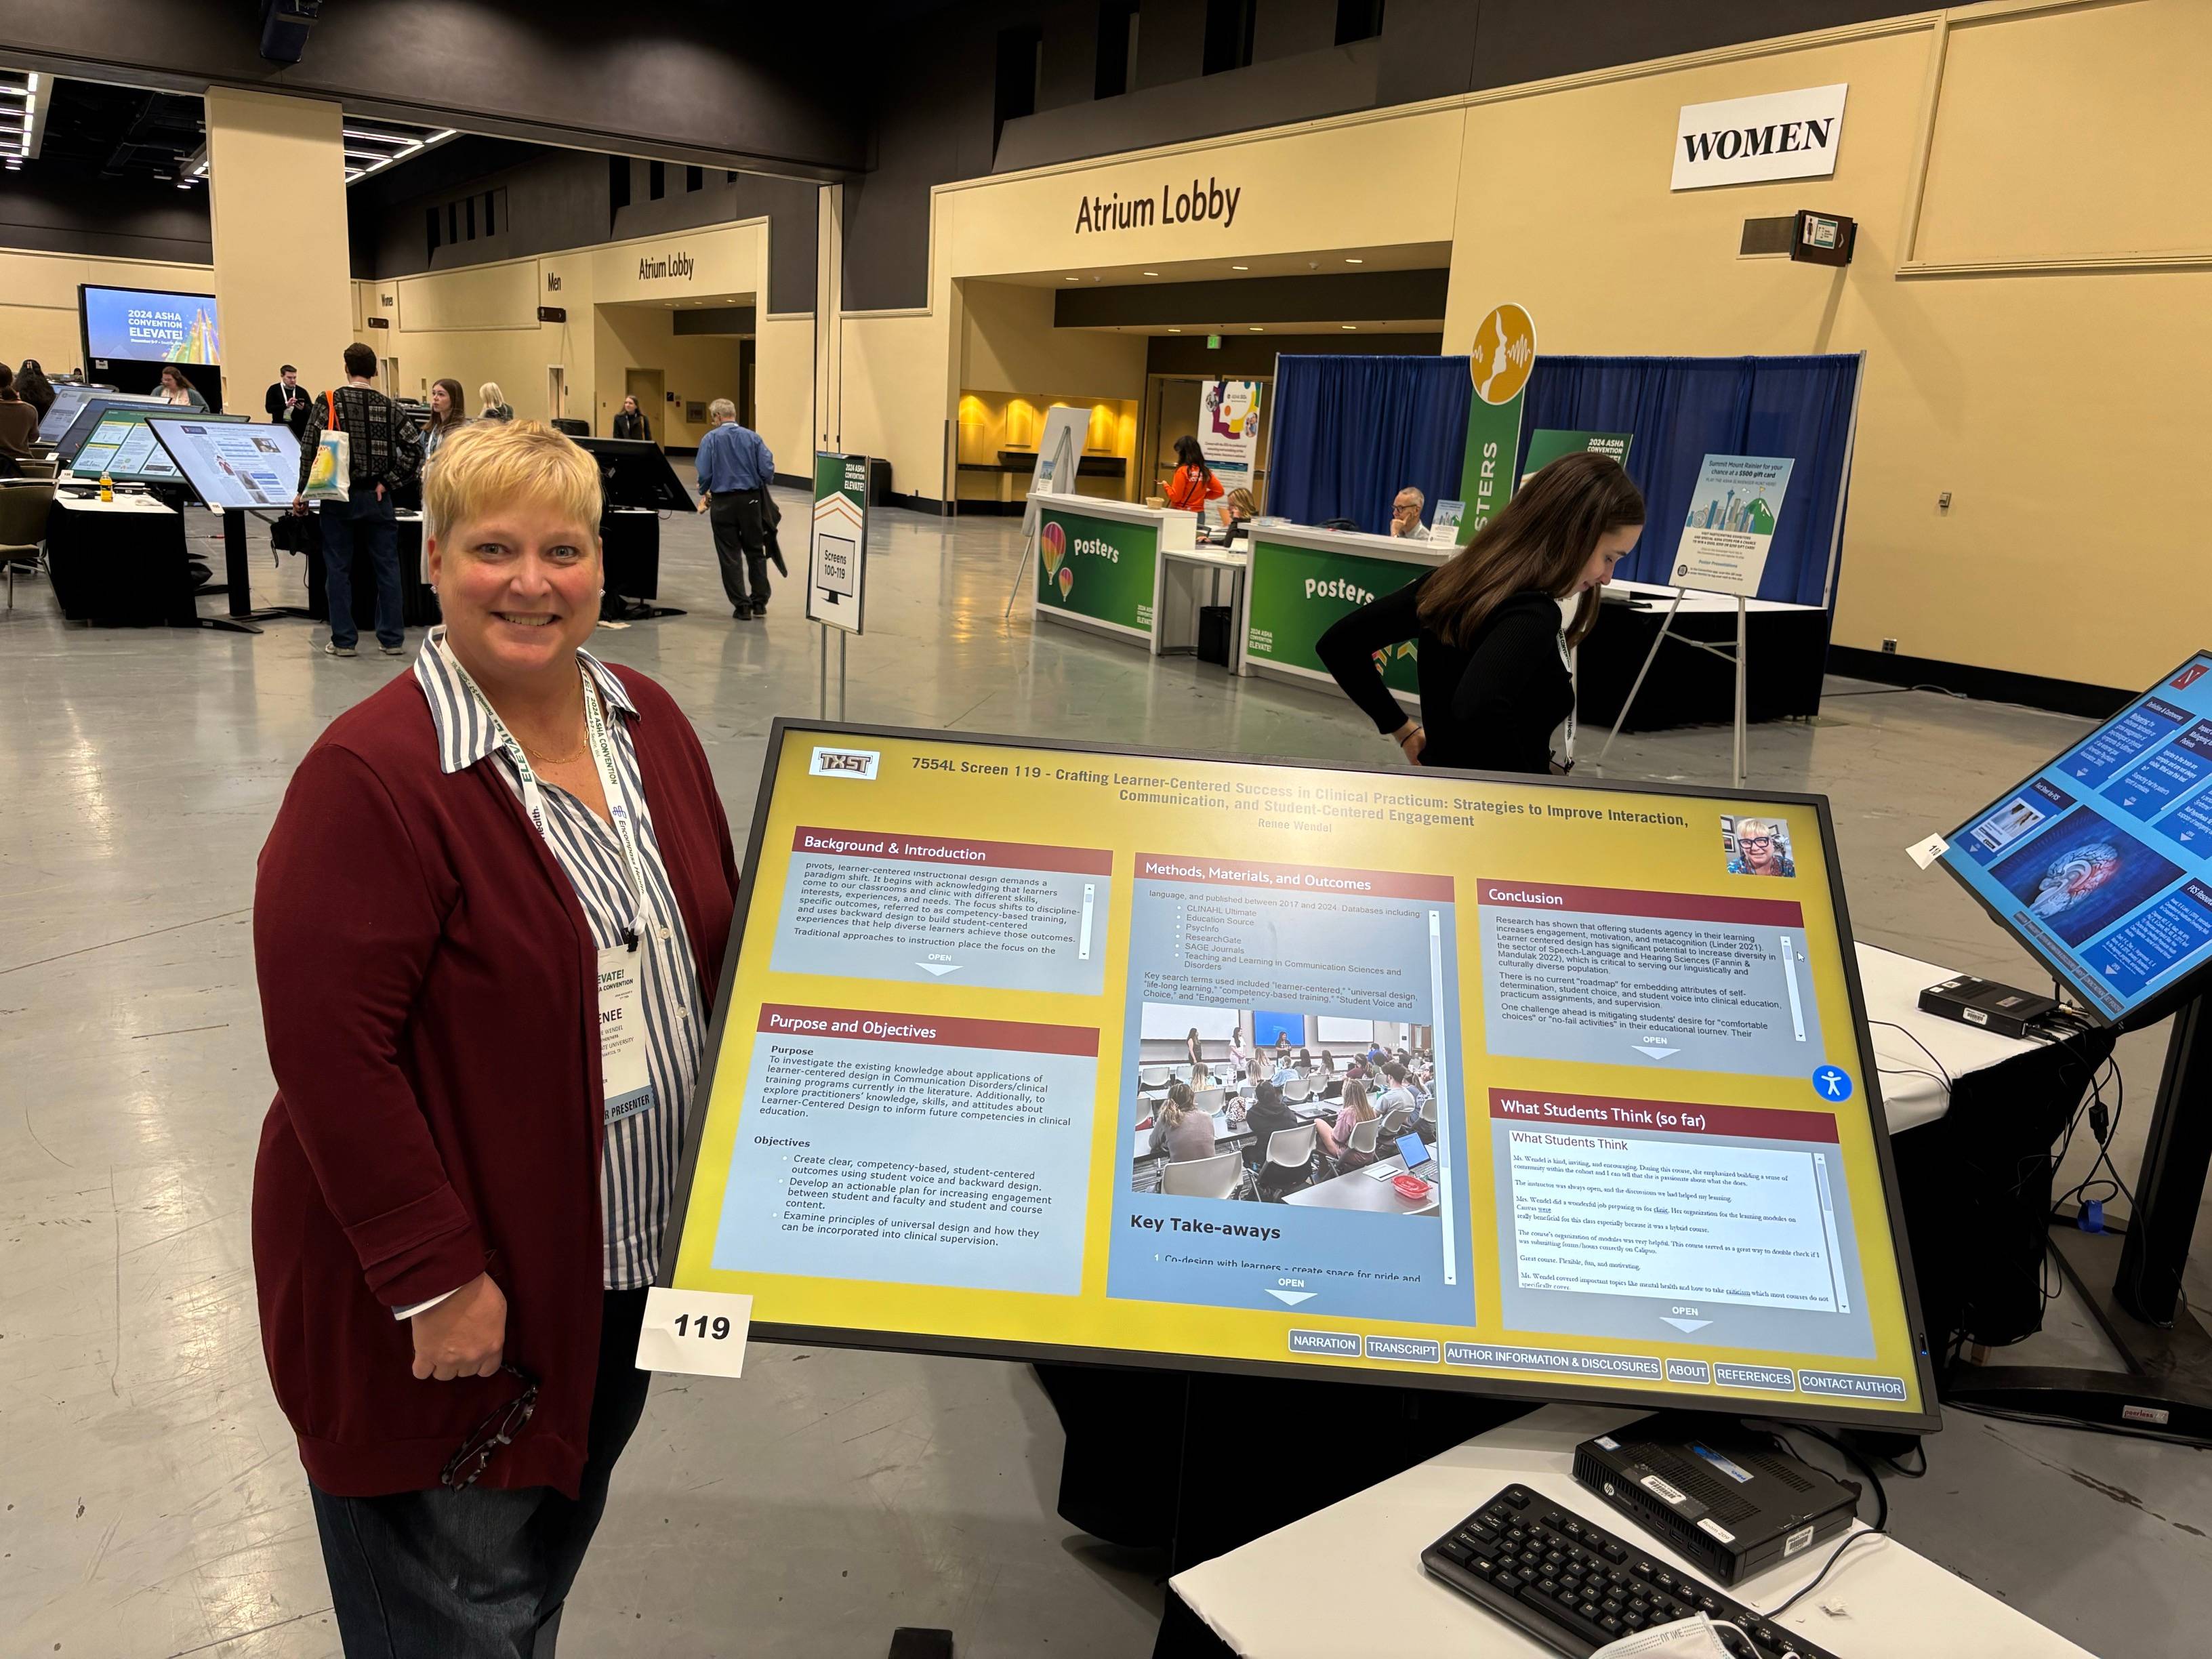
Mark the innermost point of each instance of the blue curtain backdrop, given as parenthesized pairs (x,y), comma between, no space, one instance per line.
(1350,432)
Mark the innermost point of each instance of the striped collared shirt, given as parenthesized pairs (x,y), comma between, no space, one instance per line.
(639,1164)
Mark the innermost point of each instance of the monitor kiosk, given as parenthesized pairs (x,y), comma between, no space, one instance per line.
(89,410)
(640,486)
(68,398)
(236,468)
(2100,865)
(1660,1171)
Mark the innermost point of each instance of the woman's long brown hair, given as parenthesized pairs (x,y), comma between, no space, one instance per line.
(1540,539)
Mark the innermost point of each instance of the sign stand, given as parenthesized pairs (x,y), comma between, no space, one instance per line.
(1058,456)
(837,561)
(822,703)
(1739,748)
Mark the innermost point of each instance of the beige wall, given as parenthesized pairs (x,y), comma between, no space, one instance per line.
(480,322)
(2044,330)
(277,180)
(38,300)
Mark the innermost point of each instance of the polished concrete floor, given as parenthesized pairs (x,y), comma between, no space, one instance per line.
(154,1503)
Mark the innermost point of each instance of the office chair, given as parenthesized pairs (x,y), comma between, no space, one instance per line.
(1204,1177)
(23,510)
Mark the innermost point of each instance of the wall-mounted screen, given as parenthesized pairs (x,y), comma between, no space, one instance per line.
(149,325)
(1655,1165)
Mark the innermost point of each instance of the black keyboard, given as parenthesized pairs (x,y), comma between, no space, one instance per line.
(1575,1587)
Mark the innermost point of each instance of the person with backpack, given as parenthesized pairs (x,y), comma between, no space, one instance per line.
(383,453)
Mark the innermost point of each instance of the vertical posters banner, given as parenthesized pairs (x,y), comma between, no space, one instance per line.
(1229,430)
(1731,522)
(1502,357)
(1100,569)
(838,549)
(1548,444)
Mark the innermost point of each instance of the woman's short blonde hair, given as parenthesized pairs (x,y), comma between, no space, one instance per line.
(495,463)
(490,392)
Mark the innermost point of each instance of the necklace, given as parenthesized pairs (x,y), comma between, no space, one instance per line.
(574,755)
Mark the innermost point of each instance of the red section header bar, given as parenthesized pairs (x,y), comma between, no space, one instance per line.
(930,1031)
(1298,878)
(940,849)
(1628,902)
(1538,1109)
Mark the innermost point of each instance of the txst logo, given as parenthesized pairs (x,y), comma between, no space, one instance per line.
(844,763)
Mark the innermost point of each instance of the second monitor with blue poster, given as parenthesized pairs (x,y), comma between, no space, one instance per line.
(2101,862)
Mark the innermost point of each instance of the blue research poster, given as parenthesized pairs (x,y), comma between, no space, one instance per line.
(2102,861)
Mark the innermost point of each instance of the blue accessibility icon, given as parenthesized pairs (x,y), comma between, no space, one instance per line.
(1832,1083)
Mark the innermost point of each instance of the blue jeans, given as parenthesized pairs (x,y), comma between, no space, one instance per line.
(363,524)
(479,1573)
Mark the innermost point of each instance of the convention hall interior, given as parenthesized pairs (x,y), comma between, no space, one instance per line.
(764,768)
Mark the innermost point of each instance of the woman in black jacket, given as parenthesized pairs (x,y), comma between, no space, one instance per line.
(630,421)
(33,386)
(1493,648)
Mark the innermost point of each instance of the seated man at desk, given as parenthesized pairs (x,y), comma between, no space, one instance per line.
(1406,514)
(1179,1129)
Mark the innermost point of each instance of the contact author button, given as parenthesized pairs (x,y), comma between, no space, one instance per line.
(1342,1344)
(1404,1347)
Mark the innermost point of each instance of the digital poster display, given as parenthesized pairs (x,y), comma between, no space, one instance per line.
(122,447)
(231,463)
(2101,863)
(1637,1152)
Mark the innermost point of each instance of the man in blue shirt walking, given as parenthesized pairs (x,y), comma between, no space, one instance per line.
(734,469)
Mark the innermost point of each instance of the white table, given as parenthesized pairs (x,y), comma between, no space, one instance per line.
(1268,1599)
(1893,984)
(1176,599)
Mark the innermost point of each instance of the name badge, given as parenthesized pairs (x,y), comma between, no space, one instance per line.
(623,1076)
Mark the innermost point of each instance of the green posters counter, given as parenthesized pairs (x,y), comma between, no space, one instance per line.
(1301,581)
(1097,563)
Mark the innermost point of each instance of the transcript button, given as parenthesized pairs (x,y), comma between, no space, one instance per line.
(1403,1348)
(1689,1371)
(1342,1344)
(1778,1379)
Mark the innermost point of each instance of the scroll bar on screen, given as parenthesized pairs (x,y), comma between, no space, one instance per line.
(1836,1279)
(1090,900)
(1437,1086)
(1789,975)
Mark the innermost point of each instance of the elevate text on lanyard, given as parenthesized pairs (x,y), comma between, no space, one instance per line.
(603,757)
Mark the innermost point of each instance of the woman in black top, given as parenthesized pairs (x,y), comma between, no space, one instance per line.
(33,386)
(1493,652)
(630,421)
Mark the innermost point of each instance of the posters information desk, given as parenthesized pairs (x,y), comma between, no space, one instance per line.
(1649,1160)
(2101,863)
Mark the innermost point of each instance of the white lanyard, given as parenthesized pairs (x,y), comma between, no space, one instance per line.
(533,797)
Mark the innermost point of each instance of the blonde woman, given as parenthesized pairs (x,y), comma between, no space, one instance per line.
(460,1194)
(1336,1138)
(492,403)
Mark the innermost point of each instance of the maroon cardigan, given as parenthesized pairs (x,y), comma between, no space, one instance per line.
(428,987)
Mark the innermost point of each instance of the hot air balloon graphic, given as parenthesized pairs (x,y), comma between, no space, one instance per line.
(1055,541)
(1067,579)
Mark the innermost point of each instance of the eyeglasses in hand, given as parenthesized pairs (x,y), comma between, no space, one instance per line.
(466,1466)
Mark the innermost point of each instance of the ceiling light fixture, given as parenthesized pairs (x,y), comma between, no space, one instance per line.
(439,137)
(1152,273)
(1256,329)
(1071,279)
(1349,328)
(1172,331)
(1240,267)
(1351,261)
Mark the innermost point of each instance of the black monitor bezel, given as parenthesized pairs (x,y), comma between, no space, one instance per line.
(2152,1009)
(156,422)
(622,458)
(109,400)
(1792,1408)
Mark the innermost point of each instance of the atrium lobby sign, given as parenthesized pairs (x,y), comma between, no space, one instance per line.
(1778,135)
(1176,204)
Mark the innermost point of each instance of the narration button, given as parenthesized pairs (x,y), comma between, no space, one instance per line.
(1413,1349)
(1775,1379)
(1339,1344)
(1689,1371)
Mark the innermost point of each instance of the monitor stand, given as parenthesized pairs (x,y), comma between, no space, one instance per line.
(2166,1392)
(237,583)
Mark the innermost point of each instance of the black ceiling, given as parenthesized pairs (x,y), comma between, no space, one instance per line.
(118,132)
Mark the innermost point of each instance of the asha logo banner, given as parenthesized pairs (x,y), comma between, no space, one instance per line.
(845,764)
